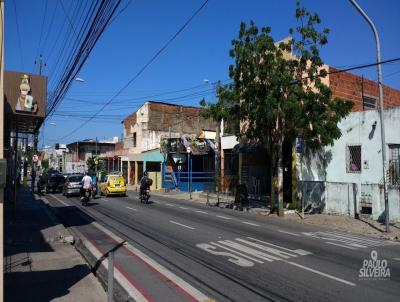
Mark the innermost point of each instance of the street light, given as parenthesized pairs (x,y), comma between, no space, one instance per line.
(79,80)
(383,143)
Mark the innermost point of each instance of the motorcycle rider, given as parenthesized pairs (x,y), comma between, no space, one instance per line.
(145,183)
(86,184)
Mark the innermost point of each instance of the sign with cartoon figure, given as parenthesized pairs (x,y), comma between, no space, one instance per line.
(25,94)
(25,100)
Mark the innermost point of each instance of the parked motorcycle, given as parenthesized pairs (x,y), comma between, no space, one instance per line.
(86,196)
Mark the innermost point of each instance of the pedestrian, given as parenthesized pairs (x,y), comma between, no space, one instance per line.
(33,178)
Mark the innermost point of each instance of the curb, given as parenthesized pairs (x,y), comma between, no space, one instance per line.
(98,269)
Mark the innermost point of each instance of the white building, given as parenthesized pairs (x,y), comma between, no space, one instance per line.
(348,175)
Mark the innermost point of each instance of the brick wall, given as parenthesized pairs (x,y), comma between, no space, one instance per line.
(181,119)
(348,86)
(128,122)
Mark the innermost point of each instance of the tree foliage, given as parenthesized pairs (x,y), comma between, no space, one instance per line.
(276,96)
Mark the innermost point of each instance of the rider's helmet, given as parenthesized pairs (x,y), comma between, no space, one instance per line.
(145,173)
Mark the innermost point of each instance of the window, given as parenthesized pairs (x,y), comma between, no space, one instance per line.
(394,164)
(369,102)
(134,139)
(394,152)
(353,159)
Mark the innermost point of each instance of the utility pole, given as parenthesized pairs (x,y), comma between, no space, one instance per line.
(40,64)
(381,112)
(96,160)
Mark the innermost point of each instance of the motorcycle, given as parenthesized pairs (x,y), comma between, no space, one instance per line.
(86,196)
(94,190)
(145,195)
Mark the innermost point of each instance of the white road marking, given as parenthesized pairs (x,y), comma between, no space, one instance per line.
(170,205)
(320,273)
(342,245)
(290,233)
(131,209)
(298,251)
(223,217)
(398,259)
(250,223)
(199,296)
(236,252)
(59,200)
(202,212)
(349,241)
(186,226)
(246,253)
(183,208)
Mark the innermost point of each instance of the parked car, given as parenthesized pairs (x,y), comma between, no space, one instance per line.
(72,185)
(55,183)
(113,185)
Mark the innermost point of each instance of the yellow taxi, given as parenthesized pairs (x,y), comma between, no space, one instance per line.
(113,185)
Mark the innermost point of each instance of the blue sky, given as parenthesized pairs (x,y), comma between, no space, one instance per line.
(200,51)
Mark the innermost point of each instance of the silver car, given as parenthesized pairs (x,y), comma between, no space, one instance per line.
(72,185)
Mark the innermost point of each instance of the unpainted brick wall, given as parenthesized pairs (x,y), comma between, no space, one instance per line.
(181,119)
(348,86)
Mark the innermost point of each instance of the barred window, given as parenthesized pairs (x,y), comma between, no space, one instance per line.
(353,159)
(369,102)
(394,151)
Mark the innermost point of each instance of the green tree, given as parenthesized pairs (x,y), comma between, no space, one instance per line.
(94,163)
(45,164)
(275,96)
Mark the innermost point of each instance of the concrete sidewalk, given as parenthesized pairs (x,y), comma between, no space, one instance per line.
(38,265)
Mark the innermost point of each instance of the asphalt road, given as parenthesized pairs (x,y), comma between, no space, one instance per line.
(227,255)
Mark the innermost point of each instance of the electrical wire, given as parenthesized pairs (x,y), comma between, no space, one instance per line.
(155,56)
(19,35)
(41,29)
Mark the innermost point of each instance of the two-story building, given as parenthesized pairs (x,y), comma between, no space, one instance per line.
(145,128)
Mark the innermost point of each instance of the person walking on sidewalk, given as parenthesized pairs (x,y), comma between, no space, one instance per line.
(33,178)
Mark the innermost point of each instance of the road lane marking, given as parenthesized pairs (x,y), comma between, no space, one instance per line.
(348,241)
(398,259)
(320,273)
(59,200)
(183,225)
(250,223)
(183,208)
(131,209)
(161,270)
(290,233)
(202,212)
(170,205)
(224,217)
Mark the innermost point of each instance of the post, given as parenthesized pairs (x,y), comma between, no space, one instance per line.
(383,142)
(110,280)
(96,161)
(302,185)
(217,159)
(189,170)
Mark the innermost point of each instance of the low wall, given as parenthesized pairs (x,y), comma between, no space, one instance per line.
(349,198)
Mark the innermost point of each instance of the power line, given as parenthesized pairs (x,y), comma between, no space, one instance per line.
(41,29)
(19,35)
(155,56)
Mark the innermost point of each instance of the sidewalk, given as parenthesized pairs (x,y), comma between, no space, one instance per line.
(339,222)
(38,266)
